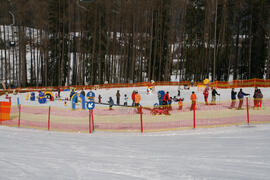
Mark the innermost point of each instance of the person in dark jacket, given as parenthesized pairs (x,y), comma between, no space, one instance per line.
(59,91)
(175,99)
(241,96)
(233,98)
(258,97)
(111,103)
(214,93)
(72,93)
(83,92)
(170,103)
(99,98)
(255,97)
(118,97)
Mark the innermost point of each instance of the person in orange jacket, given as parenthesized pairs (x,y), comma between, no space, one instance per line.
(180,104)
(193,98)
(137,99)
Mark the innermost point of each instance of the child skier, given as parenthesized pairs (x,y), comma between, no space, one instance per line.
(175,99)
(205,94)
(111,103)
(214,93)
(233,98)
(240,96)
(83,92)
(125,100)
(99,98)
(258,97)
(255,97)
(118,97)
(166,99)
(58,91)
(193,98)
(133,98)
(180,103)
(137,101)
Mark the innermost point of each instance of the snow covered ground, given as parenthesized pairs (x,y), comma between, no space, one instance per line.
(239,152)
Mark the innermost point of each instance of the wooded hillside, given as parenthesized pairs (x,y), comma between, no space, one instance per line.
(68,42)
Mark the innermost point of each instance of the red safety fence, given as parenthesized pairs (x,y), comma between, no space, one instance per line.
(212,115)
(140,119)
(217,84)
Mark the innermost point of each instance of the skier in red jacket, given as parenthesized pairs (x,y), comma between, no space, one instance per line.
(133,98)
(166,98)
(205,94)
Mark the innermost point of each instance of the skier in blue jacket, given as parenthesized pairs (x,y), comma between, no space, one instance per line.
(241,96)
(111,103)
(233,98)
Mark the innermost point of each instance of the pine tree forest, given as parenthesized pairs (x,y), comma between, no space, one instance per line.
(87,42)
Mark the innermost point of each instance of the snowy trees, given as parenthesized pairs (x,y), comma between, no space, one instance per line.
(62,42)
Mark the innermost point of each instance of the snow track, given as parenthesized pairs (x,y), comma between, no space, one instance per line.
(222,153)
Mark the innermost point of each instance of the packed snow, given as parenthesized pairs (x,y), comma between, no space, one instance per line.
(224,153)
(237,152)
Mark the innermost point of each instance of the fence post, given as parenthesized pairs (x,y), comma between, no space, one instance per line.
(49,116)
(92,112)
(90,115)
(19,120)
(141,119)
(247,111)
(194,117)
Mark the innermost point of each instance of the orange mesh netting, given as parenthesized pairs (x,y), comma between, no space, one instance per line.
(129,118)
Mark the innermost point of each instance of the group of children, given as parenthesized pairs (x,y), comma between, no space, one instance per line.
(193,97)
(257,98)
(167,100)
(214,94)
(234,95)
(166,104)
(135,96)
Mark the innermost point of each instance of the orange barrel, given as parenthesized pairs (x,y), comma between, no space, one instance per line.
(5,111)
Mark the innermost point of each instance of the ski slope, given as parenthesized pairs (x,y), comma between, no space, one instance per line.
(239,152)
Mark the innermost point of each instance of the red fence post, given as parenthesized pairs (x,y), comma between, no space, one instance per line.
(90,121)
(49,116)
(19,120)
(194,118)
(141,119)
(247,111)
(92,112)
